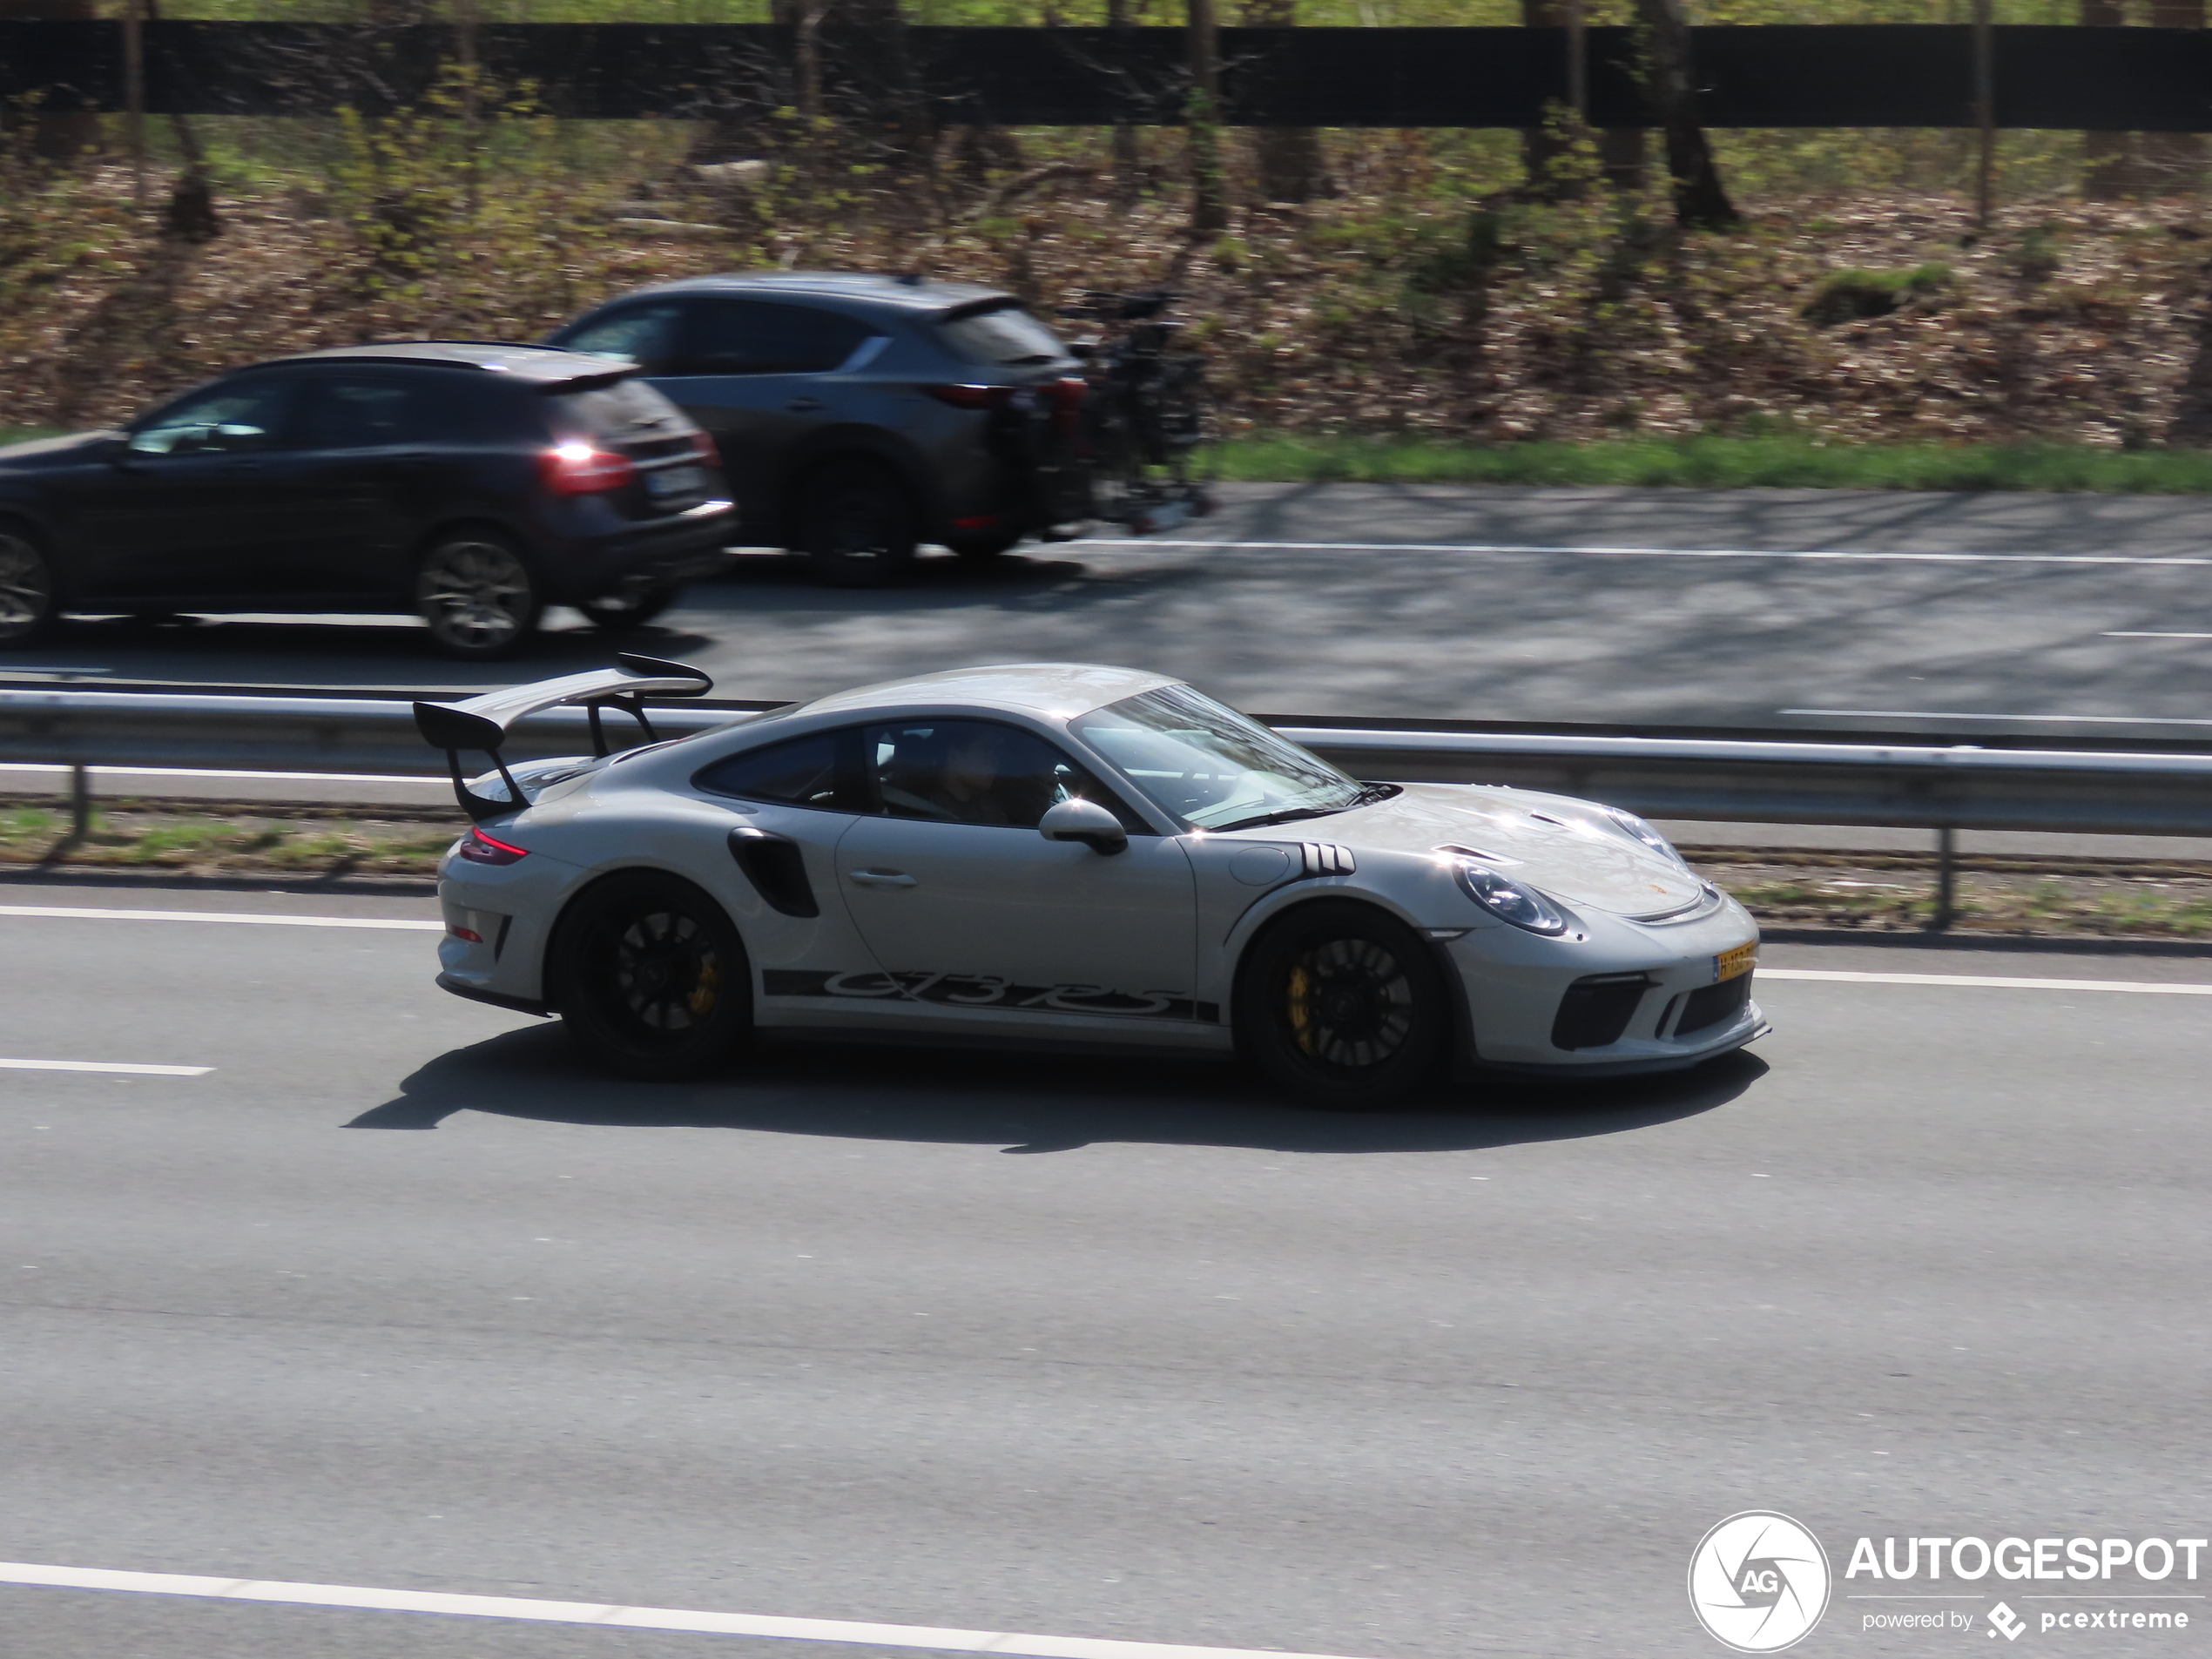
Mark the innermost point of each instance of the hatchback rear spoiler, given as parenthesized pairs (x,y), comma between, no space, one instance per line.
(483,722)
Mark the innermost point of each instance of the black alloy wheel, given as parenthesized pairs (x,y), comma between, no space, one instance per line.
(1343,1007)
(27,607)
(477,593)
(629,607)
(650,977)
(857,524)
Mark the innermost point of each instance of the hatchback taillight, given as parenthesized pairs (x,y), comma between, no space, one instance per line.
(972,397)
(480,849)
(703,448)
(581,468)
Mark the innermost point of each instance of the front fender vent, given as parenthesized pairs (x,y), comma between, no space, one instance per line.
(1326,857)
(777,869)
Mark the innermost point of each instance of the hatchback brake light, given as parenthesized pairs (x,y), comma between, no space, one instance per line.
(972,397)
(480,849)
(581,468)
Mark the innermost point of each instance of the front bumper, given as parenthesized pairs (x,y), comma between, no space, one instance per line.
(1623,1000)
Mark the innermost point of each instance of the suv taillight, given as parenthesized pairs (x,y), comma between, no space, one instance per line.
(972,397)
(581,468)
(479,848)
(703,446)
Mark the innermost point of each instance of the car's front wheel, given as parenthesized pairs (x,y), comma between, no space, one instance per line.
(650,977)
(27,603)
(1343,1007)
(477,593)
(856,524)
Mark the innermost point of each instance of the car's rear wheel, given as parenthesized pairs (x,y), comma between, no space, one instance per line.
(1343,1007)
(476,591)
(650,977)
(27,601)
(629,607)
(981,549)
(858,525)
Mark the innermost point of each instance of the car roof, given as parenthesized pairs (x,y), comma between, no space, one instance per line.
(543,364)
(905,292)
(1052,691)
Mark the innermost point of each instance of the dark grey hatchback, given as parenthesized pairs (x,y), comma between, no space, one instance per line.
(860,415)
(471,484)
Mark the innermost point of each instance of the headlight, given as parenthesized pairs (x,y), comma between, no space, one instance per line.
(1636,830)
(1509,901)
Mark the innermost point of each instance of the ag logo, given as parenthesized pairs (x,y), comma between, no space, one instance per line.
(1758,1581)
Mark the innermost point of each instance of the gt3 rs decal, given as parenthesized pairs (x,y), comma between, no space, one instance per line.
(986,991)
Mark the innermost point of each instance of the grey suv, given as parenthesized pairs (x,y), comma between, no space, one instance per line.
(859,416)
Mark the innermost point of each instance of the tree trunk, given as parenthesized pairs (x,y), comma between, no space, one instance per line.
(2174,161)
(1542,148)
(1289,158)
(1129,171)
(1621,156)
(1700,203)
(2108,171)
(57,133)
(1208,200)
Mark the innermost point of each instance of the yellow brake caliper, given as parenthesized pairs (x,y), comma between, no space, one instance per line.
(703,994)
(1301,1002)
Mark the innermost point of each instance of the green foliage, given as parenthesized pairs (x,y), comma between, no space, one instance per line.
(1713,461)
(1848,295)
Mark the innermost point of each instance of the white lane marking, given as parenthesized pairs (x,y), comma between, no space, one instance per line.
(205,771)
(2147,633)
(1663,552)
(104,1065)
(2046,720)
(75,913)
(629,1618)
(2141,986)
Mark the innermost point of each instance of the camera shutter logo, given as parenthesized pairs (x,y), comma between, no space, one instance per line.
(1758,1581)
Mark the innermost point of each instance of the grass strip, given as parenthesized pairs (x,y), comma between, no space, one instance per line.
(1715,463)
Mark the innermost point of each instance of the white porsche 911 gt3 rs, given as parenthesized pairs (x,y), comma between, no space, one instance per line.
(1069,854)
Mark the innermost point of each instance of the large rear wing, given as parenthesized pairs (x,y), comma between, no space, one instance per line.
(483,722)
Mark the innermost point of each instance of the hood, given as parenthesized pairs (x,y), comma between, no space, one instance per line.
(46,449)
(1562,846)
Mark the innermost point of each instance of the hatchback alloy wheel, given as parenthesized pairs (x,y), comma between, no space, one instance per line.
(477,595)
(26,588)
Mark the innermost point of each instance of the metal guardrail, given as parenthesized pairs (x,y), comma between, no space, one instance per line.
(1727,780)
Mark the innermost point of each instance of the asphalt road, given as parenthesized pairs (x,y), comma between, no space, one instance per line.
(394,1296)
(2057,616)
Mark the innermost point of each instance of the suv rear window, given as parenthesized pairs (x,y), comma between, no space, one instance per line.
(609,411)
(1002,334)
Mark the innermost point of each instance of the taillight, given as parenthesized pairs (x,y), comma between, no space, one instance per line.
(972,397)
(581,468)
(704,451)
(480,849)
(1068,394)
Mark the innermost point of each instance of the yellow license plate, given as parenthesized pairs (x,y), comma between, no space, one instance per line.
(1730,963)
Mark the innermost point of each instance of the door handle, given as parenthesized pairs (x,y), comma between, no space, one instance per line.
(806,405)
(883,877)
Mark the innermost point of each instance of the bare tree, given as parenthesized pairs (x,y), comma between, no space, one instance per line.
(1209,199)
(2109,170)
(2174,161)
(1700,203)
(1289,158)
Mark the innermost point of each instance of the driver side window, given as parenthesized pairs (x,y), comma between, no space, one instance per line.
(975,771)
(234,419)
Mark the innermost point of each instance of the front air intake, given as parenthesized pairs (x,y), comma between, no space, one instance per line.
(1596,1010)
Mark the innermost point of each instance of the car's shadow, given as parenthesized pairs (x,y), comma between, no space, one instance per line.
(1026,1103)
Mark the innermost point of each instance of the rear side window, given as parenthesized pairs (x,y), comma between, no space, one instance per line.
(749,337)
(367,411)
(612,411)
(1002,334)
(817,771)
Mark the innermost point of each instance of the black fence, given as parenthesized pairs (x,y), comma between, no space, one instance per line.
(2116,79)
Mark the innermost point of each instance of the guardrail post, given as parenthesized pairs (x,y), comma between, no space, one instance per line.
(80,802)
(1946,905)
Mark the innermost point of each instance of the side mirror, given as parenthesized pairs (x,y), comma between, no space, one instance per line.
(1085,821)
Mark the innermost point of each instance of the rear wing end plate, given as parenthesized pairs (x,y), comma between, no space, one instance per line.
(483,723)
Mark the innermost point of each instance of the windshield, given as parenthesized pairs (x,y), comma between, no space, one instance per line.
(1210,767)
